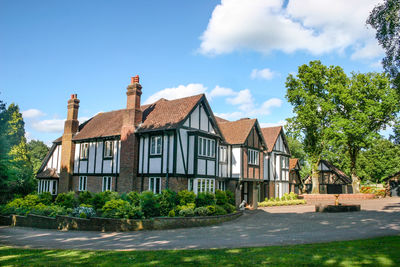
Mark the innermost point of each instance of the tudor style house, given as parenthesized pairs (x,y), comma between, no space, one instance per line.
(294,176)
(177,144)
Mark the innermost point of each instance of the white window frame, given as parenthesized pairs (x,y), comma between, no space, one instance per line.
(107,183)
(191,185)
(253,157)
(153,185)
(203,185)
(108,149)
(284,168)
(223,152)
(155,145)
(47,186)
(82,183)
(206,147)
(84,151)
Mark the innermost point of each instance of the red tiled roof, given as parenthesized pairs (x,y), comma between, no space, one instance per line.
(293,163)
(271,135)
(236,132)
(220,120)
(48,173)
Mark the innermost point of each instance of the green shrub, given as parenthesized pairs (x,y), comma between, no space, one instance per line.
(229,208)
(281,203)
(201,211)
(171,213)
(186,197)
(85,197)
(149,204)
(210,210)
(188,212)
(66,200)
(133,197)
(231,197)
(187,206)
(46,198)
(221,197)
(205,199)
(31,200)
(87,211)
(100,199)
(219,210)
(118,208)
(293,196)
(168,200)
(21,206)
(49,211)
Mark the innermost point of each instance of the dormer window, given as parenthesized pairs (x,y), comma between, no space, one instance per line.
(206,147)
(155,147)
(84,151)
(108,149)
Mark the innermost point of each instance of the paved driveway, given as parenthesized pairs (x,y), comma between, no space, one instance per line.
(263,227)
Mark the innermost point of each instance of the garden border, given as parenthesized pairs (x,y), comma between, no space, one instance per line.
(66,223)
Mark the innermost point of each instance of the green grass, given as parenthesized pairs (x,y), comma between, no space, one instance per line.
(384,251)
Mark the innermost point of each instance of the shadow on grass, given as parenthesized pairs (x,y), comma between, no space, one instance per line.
(383,251)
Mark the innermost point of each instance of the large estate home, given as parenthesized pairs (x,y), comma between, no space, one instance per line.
(176,144)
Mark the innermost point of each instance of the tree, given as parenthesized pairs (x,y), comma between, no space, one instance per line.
(308,92)
(385,19)
(361,109)
(37,152)
(395,137)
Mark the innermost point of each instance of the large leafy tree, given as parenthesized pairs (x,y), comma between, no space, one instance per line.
(361,109)
(385,19)
(37,151)
(309,95)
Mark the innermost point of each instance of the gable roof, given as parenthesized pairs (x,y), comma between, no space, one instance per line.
(336,170)
(293,163)
(236,132)
(220,120)
(271,135)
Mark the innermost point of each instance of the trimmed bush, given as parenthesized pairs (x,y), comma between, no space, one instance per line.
(229,208)
(188,212)
(205,199)
(133,197)
(201,211)
(100,199)
(210,210)
(118,208)
(149,204)
(186,197)
(83,212)
(85,197)
(50,211)
(187,206)
(281,203)
(171,213)
(168,200)
(66,200)
(46,198)
(221,197)
(219,210)
(231,197)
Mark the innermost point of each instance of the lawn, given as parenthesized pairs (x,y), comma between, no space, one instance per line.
(383,251)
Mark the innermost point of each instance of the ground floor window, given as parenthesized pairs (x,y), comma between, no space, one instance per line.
(203,185)
(47,186)
(155,185)
(190,185)
(82,183)
(107,183)
(222,185)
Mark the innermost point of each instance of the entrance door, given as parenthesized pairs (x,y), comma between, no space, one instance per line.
(246,192)
(394,188)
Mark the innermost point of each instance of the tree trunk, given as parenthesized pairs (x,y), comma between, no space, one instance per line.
(315,178)
(354,178)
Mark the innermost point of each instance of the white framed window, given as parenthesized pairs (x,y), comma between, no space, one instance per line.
(155,145)
(285,168)
(253,157)
(222,153)
(84,151)
(107,183)
(190,185)
(47,186)
(203,185)
(222,185)
(82,183)
(108,149)
(206,147)
(155,185)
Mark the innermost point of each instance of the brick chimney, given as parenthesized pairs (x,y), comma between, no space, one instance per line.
(128,178)
(71,126)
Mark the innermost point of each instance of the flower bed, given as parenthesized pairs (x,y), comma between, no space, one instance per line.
(378,192)
(286,200)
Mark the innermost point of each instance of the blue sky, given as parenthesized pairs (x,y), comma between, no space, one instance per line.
(238,52)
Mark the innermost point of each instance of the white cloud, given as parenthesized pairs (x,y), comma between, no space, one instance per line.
(28,136)
(231,116)
(177,92)
(265,74)
(220,91)
(243,99)
(52,125)
(273,124)
(32,113)
(314,26)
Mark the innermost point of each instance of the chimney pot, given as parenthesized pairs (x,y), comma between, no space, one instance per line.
(135,79)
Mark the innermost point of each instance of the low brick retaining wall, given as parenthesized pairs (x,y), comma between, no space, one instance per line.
(331,197)
(113,225)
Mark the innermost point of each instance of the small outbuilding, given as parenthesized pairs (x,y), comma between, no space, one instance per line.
(332,180)
(294,176)
(393,185)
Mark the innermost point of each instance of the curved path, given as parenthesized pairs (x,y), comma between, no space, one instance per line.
(263,227)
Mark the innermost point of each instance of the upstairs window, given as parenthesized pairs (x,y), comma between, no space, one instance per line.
(108,149)
(253,157)
(155,146)
(222,154)
(206,147)
(84,151)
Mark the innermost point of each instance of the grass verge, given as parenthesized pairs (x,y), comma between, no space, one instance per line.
(383,251)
